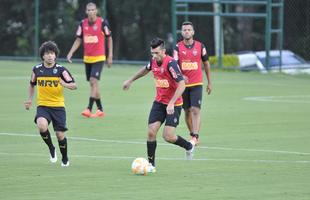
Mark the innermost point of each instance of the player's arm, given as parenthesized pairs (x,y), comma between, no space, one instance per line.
(28,102)
(207,68)
(108,34)
(177,76)
(76,44)
(142,72)
(67,81)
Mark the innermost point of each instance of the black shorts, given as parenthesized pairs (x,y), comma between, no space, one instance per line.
(159,113)
(93,70)
(192,96)
(56,115)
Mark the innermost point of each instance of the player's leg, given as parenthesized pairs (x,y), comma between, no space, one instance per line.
(59,124)
(186,106)
(195,99)
(95,75)
(172,122)
(156,118)
(87,111)
(42,120)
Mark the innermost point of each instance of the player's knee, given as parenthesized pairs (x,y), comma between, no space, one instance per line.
(195,110)
(151,134)
(169,138)
(42,124)
(60,135)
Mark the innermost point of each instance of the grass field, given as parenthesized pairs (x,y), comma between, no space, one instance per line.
(255,138)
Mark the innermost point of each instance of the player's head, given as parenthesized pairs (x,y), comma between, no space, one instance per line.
(91,11)
(49,51)
(158,50)
(187,30)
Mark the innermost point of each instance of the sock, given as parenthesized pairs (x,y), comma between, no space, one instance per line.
(99,105)
(151,148)
(196,135)
(63,149)
(91,103)
(46,136)
(183,143)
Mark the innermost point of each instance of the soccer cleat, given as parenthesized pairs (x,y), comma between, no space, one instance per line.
(98,113)
(53,156)
(65,164)
(86,113)
(151,168)
(189,153)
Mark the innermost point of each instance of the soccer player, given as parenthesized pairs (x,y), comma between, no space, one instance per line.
(167,105)
(190,54)
(93,33)
(50,79)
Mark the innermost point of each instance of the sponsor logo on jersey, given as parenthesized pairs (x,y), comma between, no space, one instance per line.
(48,83)
(189,65)
(91,39)
(162,83)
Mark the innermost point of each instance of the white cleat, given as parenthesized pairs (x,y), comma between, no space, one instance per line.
(190,153)
(53,159)
(151,168)
(65,164)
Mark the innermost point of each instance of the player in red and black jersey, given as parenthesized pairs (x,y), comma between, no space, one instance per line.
(190,54)
(166,108)
(50,79)
(93,33)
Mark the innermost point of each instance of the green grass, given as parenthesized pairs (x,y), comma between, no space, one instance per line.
(249,149)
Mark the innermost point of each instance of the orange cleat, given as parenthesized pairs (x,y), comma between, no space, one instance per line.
(98,113)
(86,113)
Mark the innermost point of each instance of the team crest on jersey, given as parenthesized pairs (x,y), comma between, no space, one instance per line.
(195,52)
(95,27)
(162,70)
(55,71)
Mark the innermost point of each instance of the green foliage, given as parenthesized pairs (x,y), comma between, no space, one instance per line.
(229,61)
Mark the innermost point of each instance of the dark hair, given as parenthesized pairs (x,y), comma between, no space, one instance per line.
(48,46)
(157,42)
(188,23)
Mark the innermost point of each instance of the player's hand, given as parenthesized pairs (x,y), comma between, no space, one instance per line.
(209,88)
(28,104)
(170,108)
(185,79)
(110,61)
(69,56)
(126,84)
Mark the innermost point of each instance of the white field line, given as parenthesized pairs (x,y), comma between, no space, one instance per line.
(162,158)
(163,144)
(283,99)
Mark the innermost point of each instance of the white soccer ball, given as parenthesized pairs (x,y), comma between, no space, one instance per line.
(139,166)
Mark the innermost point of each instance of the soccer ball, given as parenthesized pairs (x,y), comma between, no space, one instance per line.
(139,166)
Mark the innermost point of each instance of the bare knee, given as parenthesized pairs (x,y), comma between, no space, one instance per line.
(195,110)
(60,135)
(42,124)
(151,135)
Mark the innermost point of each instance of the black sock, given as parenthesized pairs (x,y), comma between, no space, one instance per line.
(91,103)
(183,143)
(46,136)
(63,149)
(99,105)
(196,135)
(151,148)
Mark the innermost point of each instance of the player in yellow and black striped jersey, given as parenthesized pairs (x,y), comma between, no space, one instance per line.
(50,79)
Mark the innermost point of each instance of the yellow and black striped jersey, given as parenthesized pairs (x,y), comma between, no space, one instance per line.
(50,91)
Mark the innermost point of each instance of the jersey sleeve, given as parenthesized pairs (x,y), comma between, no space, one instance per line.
(175,71)
(106,28)
(33,79)
(66,76)
(79,31)
(149,66)
(204,53)
(176,52)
